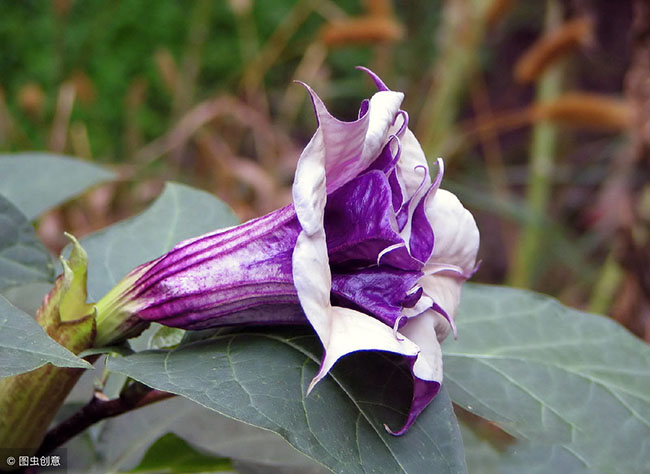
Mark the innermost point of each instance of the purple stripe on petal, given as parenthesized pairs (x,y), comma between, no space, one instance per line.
(397,194)
(411,299)
(402,217)
(399,257)
(405,122)
(452,323)
(387,160)
(261,311)
(421,240)
(216,301)
(363,108)
(280,227)
(403,213)
(222,273)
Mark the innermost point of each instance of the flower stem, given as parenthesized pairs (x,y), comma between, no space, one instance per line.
(463,28)
(543,151)
(135,395)
(604,291)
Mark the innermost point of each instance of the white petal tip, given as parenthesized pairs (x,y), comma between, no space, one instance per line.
(313,383)
(389,430)
(454,330)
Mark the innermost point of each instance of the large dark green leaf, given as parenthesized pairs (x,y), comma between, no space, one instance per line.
(261,378)
(122,441)
(36,182)
(23,258)
(522,457)
(27,297)
(179,213)
(553,375)
(24,346)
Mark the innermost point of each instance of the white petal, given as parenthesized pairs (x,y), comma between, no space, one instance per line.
(313,280)
(352,331)
(309,187)
(421,330)
(455,232)
(411,159)
(454,256)
(350,147)
(382,110)
(445,291)
(337,153)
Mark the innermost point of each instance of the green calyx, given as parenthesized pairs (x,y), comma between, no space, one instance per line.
(116,313)
(29,401)
(64,314)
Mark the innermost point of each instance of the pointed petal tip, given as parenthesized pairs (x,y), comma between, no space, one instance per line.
(316,101)
(400,432)
(387,428)
(376,79)
(441,172)
(424,392)
(314,382)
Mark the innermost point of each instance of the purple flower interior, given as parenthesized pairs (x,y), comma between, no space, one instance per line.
(205,282)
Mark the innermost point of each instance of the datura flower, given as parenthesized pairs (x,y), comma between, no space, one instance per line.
(372,253)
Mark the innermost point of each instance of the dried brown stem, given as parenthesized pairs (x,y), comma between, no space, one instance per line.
(99,408)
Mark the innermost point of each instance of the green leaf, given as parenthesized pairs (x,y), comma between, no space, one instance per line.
(122,441)
(23,258)
(27,297)
(171,454)
(36,182)
(165,337)
(261,378)
(24,346)
(179,213)
(553,375)
(482,457)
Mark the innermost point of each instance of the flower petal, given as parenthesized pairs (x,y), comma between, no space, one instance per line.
(427,368)
(359,220)
(351,331)
(378,291)
(411,159)
(337,153)
(203,280)
(456,234)
(350,147)
(453,258)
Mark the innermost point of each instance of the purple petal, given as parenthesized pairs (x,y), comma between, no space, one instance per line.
(378,291)
(421,239)
(386,162)
(377,80)
(399,257)
(202,280)
(358,220)
(423,392)
(426,368)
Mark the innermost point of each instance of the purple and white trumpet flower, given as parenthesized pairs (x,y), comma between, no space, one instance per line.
(372,253)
